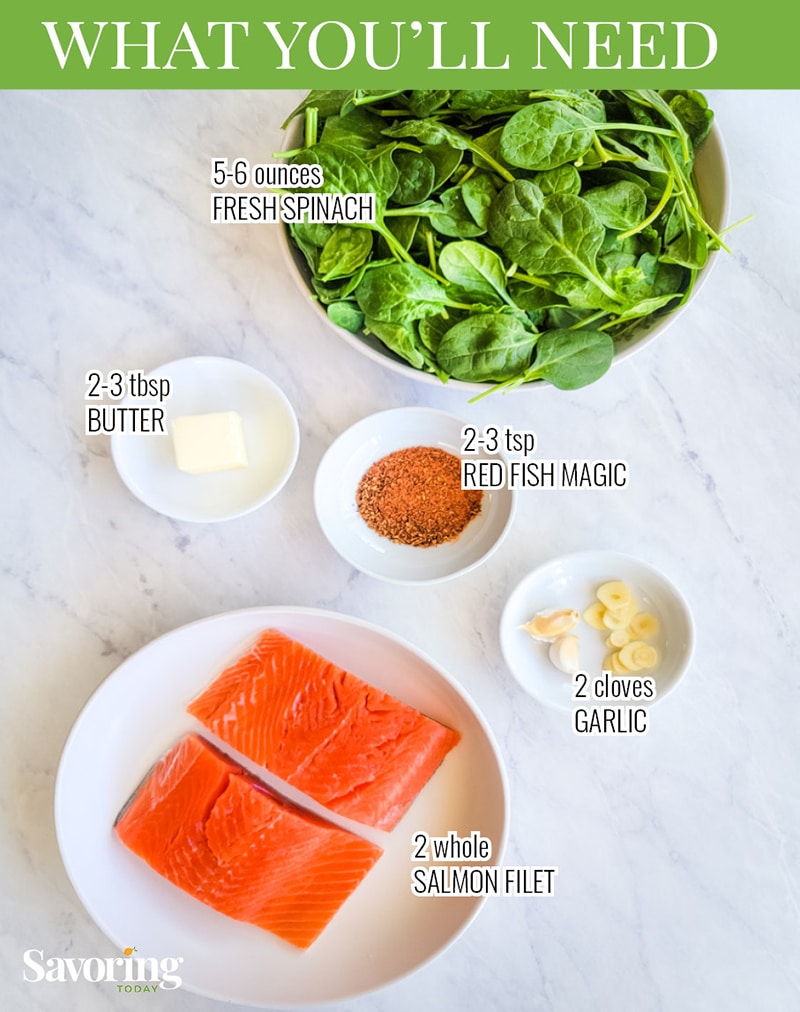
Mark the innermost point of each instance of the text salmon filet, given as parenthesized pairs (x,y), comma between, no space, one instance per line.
(348,745)
(217,833)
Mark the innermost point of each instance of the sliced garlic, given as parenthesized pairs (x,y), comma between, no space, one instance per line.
(564,654)
(549,625)
(615,620)
(613,664)
(617,613)
(643,625)
(638,655)
(628,610)
(593,615)
(614,594)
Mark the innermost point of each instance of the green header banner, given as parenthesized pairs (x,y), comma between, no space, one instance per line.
(436,44)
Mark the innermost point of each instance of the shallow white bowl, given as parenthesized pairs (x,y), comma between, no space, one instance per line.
(571,581)
(343,466)
(200,385)
(711,171)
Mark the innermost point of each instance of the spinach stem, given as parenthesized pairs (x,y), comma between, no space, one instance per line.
(638,128)
(653,214)
(602,153)
(359,99)
(736,224)
(580,324)
(501,170)
(689,199)
(419,210)
(431,249)
(532,280)
(312,115)
(399,252)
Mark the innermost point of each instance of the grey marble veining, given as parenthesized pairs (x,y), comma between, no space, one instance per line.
(678,886)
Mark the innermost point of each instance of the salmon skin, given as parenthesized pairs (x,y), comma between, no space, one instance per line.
(349,746)
(220,835)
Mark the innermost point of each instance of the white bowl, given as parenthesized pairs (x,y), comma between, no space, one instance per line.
(201,385)
(343,466)
(711,173)
(571,581)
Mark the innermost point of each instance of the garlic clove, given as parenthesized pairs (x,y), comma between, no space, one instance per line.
(549,625)
(564,654)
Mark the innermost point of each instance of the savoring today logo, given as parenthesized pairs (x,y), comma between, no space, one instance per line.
(131,974)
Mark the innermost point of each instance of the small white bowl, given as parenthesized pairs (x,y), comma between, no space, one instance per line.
(342,468)
(571,581)
(201,385)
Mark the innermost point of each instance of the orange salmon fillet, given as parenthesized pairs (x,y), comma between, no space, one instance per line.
(351,747)
(217,833)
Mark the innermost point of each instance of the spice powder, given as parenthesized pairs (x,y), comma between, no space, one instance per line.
(414,496)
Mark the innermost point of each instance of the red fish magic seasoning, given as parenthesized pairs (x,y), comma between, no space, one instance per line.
(414,496)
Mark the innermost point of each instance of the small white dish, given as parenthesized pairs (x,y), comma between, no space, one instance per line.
(342,468)
(202,385)
(571,581)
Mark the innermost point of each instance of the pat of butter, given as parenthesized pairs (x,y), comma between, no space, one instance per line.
(213,442)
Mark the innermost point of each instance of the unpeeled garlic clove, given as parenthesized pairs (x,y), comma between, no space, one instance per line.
(564,654)
(549,625)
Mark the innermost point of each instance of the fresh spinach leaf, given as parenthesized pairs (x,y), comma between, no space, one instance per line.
(346,249)
(417,177)
(619,205)
(452,218)
(545,135)
(570,359)
(400,293)
(346,314)
(562,179)
(476,268)
(423,103)
(478,193)
(486,347)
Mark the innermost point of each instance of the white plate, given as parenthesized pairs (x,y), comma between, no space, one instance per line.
(382,932)
(146,462)
(343,466)
(571,581)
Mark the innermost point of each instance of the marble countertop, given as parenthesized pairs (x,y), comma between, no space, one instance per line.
(678,851)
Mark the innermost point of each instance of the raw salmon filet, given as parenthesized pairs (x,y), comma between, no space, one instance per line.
(348,745)
(213,830)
